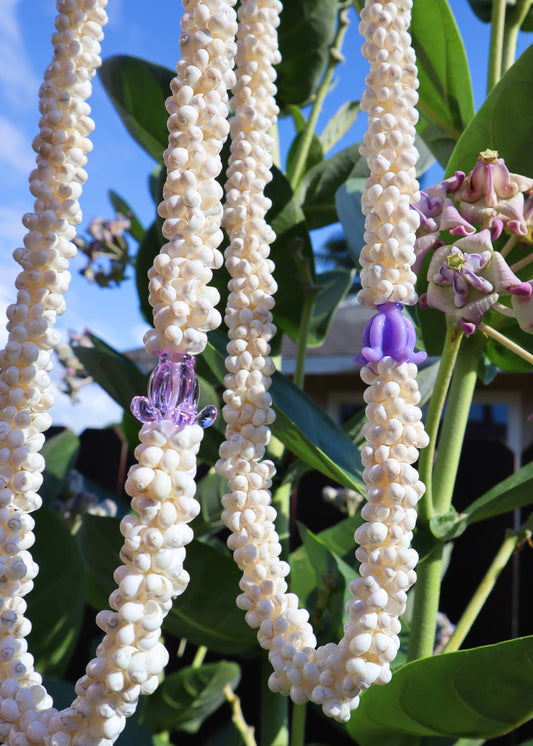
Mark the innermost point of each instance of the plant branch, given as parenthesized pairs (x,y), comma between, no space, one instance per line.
(506,342)
(199,657)
(298,725)
(298,167)
(246,731)
(514,20)
(496,43)
(455,421)
(426,605)
(451,346)
(512,541)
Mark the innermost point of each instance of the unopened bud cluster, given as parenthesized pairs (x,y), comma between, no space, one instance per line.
(56,183)
(388,146)
(184,306)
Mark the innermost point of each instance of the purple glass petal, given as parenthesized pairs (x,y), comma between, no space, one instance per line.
(173,393)
(389,333)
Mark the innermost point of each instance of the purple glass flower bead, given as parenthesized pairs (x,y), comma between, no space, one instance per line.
(173,394)
(389,333)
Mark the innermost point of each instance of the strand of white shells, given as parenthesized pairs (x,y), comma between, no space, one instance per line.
(183,304)
(62,146)
(334,674)
(390,99)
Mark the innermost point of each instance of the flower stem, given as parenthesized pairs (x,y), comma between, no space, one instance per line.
(426,605)
(298,725)
(515,18)
(517,266)
(452,343)
(298,167)
(506,342)
(199,657)
(496,43)
(246,731)
(512,540)
(509,244)
(455,421)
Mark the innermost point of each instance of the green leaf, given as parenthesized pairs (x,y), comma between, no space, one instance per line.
(315,154)
(305,34)
(57,601)
(188,697)
(209,492)
(60,453)
(207,613)
(514,492)
(100,541)
(339,124)
(334,286)
(446,104)
(509,101)
(304,427)
(348,205)
(114,372)
(121,206)
(138,90)
(319,185)
(479,693)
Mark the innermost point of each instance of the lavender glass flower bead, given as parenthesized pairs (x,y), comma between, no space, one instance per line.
(173,394)
(389,333)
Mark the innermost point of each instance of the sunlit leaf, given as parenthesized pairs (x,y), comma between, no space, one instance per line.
(446,103)
(509,101)
(138,90)
(479,693)
(188,697)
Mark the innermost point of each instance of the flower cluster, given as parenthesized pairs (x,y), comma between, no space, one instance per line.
(183,303)
(388,146)
(468,276)
(56,183)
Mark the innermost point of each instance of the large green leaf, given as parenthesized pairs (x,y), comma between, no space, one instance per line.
(305,33)
(207,613)
(56,604)
(305,428)
(508,102)
(138,90)
(339,124)
(188,697)
(479,693)
(446,103)
(319,185)
(60,453)
(334,286)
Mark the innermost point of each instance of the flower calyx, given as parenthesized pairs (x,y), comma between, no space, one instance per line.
(173,394)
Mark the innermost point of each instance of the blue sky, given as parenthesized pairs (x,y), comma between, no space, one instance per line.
(149,30)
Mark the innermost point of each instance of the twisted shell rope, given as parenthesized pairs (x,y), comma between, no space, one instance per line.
(332,675)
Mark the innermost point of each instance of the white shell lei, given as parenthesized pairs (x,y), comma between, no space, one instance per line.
(130,658)
(332,675)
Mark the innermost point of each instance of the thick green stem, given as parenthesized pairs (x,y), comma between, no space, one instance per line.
(496,43)
(455,421)
(298,725)
(452,343)
(426,605)
(515,18)
(298,167)
(512,540)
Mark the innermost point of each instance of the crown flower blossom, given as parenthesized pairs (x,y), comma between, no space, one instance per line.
(467,278)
